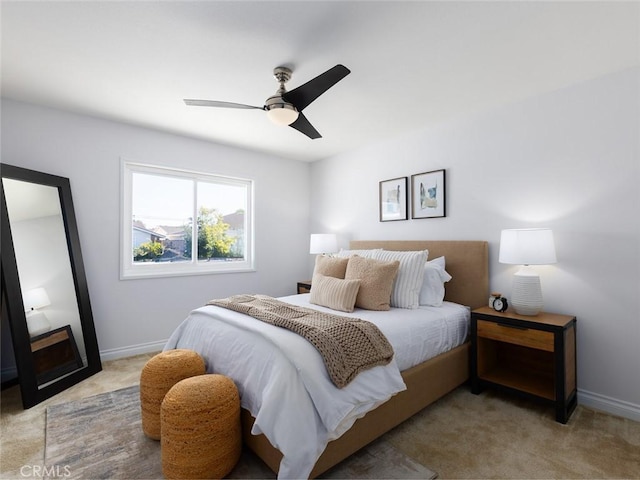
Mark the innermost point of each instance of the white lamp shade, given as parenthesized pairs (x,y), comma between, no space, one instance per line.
(323,243)
(35,298)
(527,246)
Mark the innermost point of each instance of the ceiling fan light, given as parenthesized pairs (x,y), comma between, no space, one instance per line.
(282,114)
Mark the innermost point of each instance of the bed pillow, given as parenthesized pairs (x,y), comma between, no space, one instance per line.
(330,266)
(335,293)
(435,276)
(406,288)
(376,281)
(361,253)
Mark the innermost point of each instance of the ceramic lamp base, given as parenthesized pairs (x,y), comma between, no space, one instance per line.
(37,323)
(526,297)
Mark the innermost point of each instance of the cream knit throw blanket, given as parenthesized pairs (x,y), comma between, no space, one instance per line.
(347,345)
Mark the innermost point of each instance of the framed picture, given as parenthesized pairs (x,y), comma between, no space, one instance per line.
(393,199)
(428,198)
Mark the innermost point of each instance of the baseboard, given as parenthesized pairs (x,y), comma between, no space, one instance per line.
(131,350)
(609,405)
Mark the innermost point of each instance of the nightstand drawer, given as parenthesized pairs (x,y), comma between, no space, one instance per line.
(526,337)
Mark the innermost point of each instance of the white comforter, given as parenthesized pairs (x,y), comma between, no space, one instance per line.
(288,390)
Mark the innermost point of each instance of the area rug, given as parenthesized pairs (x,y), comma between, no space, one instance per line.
(101,437)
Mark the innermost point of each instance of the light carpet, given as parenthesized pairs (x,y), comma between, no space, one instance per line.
(100,437)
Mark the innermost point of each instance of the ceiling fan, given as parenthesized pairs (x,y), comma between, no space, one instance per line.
(285,108)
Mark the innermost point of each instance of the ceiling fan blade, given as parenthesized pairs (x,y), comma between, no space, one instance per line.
(303,95)
(303,126)
(214,103)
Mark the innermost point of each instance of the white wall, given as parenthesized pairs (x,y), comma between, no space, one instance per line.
(568,160)
(137,315)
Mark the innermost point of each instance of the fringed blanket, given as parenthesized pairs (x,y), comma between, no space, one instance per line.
(347,345)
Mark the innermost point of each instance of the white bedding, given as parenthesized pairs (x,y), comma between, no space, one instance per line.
(415,334)
(288,390)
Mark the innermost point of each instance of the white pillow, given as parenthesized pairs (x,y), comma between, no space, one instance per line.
(361,253)
(406,287)
(435,276)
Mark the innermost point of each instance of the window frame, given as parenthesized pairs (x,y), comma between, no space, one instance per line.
(131,270)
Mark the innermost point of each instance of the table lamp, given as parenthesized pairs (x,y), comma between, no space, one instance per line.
(37,322)
(323,243)
(527,246)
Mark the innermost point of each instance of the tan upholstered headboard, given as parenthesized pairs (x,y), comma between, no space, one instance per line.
(467,262)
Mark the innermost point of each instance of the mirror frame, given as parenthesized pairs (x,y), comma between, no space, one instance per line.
(13,307)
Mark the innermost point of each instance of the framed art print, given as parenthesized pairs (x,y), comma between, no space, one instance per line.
(428,195)
(393,199)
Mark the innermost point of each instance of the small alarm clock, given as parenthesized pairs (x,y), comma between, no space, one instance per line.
(492,297)
(500,304)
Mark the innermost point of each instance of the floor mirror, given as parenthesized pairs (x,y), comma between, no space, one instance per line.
(45,296)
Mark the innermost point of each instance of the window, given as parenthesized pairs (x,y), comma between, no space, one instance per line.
(164,210)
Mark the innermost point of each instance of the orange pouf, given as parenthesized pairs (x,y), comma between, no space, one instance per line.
(158,375)
(201,433)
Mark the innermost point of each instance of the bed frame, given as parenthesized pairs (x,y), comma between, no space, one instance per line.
(468,264)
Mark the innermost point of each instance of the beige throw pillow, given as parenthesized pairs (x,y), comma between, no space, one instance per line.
(335,293)
(330,266)
(376,281)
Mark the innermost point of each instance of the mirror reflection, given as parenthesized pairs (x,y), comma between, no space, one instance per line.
(46,279)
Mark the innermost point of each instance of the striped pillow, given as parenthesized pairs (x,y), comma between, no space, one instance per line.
(369,253)
(406,288)
(335,293)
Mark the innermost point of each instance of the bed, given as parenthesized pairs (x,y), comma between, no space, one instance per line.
(422,384)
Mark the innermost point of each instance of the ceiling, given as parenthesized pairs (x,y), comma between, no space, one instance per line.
(414,64)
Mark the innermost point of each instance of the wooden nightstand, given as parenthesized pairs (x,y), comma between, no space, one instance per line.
(55,353)
(534,356)
(304,287)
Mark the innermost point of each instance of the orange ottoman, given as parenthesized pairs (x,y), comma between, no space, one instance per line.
(201,433)
(158,375)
